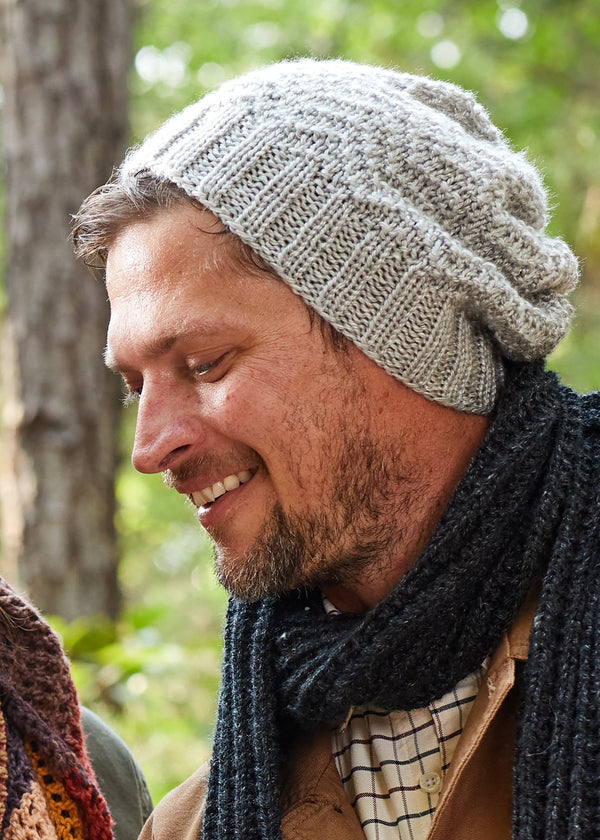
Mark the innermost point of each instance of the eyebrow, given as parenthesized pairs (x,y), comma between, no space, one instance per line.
(160,345)
(155,348)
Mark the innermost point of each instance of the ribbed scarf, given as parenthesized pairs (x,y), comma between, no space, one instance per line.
(47,787)
(528,507)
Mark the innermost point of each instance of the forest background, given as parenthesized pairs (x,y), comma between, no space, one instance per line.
(153,672)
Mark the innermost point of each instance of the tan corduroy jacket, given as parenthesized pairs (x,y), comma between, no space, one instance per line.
(475,801)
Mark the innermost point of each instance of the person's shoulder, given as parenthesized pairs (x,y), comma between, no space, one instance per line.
(180,811)
(119,776)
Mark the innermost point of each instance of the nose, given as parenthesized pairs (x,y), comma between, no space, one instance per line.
(167,431)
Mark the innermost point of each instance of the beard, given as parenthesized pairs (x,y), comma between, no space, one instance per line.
(361,527)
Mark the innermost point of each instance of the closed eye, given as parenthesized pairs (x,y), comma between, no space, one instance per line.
(205,369)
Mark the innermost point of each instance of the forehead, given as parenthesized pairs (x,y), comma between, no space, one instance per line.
(168,243)
(179,252)
(177,272)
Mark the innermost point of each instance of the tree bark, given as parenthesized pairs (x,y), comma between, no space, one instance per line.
(64,69)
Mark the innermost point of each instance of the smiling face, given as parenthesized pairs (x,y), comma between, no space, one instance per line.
(281,441)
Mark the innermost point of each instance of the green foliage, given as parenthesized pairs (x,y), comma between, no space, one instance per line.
(154,675)
(577,358)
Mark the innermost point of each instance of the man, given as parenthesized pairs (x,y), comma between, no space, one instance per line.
(331,292)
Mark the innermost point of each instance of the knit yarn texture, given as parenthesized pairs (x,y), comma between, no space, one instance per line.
(526,510)
(392,205)
(47,787)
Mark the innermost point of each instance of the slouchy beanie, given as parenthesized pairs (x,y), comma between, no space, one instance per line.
(392,205)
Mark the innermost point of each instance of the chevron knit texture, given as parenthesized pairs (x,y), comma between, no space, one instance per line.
(47,787)
(392,205)
(526,509)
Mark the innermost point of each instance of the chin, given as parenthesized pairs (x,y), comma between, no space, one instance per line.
(252,577)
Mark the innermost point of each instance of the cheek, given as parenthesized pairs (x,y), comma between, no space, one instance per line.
(308,443)
(244,412)
(280,430)
(254,399)
(289,417)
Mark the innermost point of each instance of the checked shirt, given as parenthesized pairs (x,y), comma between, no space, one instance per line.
(392,765)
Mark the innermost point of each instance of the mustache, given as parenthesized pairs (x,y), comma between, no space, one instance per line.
(199,464)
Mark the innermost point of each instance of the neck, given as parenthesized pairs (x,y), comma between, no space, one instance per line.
(447,450)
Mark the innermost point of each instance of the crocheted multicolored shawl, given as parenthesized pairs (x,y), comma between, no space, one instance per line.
(47,786)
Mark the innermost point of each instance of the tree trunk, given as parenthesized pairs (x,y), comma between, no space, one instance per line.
(64,68)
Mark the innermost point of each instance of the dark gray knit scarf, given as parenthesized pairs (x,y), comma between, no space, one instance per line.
(529,505)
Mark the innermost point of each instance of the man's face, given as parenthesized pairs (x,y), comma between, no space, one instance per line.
(239,393)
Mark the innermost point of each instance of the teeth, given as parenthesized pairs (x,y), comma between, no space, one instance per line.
(231,482)
(219,488)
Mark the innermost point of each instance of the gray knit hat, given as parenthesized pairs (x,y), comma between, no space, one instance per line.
(392,205)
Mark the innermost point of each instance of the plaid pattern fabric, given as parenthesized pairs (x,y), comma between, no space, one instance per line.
(392,765)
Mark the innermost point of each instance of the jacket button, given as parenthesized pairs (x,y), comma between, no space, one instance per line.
(430,782)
